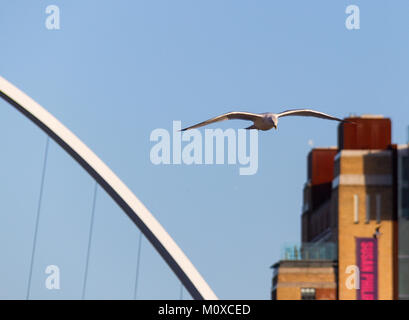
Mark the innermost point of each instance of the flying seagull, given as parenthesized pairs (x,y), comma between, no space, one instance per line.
(264,121)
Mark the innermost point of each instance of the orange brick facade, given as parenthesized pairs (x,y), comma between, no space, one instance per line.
(292,276)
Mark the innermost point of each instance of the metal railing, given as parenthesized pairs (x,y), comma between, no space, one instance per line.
(309,251)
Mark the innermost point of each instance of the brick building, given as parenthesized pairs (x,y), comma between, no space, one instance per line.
(305,280)
(356,198)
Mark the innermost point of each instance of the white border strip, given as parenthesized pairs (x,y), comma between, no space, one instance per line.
(360,153)
(362,180)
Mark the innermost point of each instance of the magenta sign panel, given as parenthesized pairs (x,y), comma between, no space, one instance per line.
(367,261)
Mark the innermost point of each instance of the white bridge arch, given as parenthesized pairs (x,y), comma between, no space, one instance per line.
(120,193)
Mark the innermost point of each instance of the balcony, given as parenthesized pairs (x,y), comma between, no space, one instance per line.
(310,251)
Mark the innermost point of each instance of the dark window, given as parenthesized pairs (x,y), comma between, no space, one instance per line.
(405,202)
(405,168)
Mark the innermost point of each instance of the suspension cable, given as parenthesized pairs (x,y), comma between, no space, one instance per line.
(137,264)
(37,217)
(91,227)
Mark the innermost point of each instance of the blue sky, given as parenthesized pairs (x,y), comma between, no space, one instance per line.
(116,70)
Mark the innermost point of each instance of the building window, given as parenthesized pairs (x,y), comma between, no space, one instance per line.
(368,209)
(405,168)
(307,294)
(404,202)
(378,208)
(356,208)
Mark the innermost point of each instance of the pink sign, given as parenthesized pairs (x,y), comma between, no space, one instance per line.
(367,261)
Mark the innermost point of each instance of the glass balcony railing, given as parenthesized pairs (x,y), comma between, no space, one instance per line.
(309,251)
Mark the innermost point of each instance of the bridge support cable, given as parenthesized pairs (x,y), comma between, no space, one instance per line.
(181,292)
(138,262)
(91,228)
(37,222)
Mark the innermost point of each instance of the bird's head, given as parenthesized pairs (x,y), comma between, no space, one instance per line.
(274,118)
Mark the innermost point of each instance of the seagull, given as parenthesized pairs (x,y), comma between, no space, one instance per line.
(264,121)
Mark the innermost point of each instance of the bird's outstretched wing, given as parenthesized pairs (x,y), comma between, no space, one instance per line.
(308,113)
(227,116)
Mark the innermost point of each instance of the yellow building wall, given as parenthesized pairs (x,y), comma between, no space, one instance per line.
(348,230)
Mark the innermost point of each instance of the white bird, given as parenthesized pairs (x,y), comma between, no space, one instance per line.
(264,121)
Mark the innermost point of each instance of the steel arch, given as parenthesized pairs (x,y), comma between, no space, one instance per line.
(120,193)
